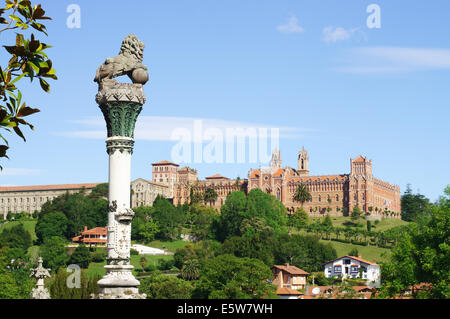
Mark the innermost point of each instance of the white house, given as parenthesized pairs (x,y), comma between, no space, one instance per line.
(354,267)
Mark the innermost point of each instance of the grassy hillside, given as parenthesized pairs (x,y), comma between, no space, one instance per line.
(29,225)
(367,252)
(384,224)
(172,246)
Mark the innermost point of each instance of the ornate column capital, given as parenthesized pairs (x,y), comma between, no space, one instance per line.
(120,104)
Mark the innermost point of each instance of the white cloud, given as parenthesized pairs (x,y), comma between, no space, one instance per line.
(161,128)
(332,34)
(395,60)
(20,172)
(291,26)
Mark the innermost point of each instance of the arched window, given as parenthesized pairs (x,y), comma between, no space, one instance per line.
(320,198)
(337,198)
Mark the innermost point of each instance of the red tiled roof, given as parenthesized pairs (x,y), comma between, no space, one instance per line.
(330,291)
(255,173)
(93,240)
(278,172)
(287,291)
(47,187)
(291,269)
(352,257)
(360,159)
(165,163)
(95,231)
(217,176)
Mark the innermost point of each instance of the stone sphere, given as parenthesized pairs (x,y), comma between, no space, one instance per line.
(139,76)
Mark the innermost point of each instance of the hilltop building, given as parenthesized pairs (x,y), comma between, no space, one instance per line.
(16,199)
(335,194)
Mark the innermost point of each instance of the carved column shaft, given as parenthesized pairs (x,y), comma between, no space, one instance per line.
(121,104)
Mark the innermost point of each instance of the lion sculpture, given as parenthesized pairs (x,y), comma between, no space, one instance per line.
(129,62)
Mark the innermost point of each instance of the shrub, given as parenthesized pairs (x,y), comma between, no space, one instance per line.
(165,264)
(361,243)
(133,252)
(99,255)
(150,268)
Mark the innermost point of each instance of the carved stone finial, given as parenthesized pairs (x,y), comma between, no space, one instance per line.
(40,273)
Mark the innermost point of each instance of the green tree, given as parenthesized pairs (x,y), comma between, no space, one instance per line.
(202,217)
(81,256)
(80,211)
(169,218)
(327,226)
(353,252)
(100,191)
(191,269)
(57,285)
(26,59)
(422,255)
(148,230)
(210,196)
(369,225)
(356,214)
(233,212)
(230,277)
(54,253)
(15,281)
(413,205)
(305,252)
(52,224)
(16,237)
(267,207)
(158,286)
(301,194)
(299,218)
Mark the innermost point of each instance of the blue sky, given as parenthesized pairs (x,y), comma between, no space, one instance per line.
(311,68)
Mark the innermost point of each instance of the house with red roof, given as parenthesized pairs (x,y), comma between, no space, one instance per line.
(288,276)
(354,267)
(94,236)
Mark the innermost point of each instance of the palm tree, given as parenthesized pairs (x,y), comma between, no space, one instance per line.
(210,196)
(301,194)
(190,269)
(143,262)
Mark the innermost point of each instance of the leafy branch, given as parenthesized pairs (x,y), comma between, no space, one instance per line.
(28,60)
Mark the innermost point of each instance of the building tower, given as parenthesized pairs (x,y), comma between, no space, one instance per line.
(275,163)
(360,184)
(303,162)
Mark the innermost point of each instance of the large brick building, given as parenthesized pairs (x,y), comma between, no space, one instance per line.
(335,194)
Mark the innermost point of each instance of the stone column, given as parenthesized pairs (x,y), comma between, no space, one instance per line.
(120,104)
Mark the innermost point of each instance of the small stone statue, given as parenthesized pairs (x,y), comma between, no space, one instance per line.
(40,273)
(129,62)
